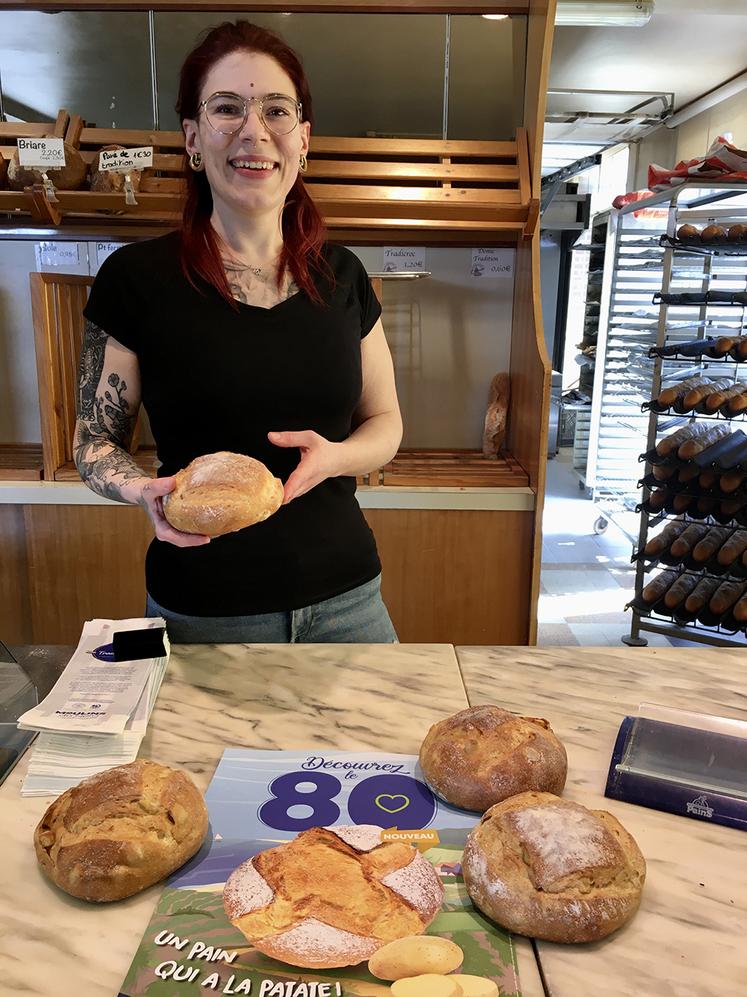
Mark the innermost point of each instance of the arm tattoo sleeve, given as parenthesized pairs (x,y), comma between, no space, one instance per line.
(105,422)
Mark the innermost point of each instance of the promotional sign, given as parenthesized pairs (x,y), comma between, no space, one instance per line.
(258,800)
(404,258)
(492,263)
(42,153)
(124,160)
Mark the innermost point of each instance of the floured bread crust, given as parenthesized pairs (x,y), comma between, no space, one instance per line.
(220,493)
(121,831)
(332,896)
(485,754)
(551,869)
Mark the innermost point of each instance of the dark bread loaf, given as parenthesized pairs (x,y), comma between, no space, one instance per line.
(725,596)
(121,831)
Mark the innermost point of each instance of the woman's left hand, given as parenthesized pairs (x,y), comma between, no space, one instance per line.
(320,459)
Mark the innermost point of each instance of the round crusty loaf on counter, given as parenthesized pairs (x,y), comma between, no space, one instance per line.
(551,869)
(220,493)
(485,754)
(120,831)
(332,896)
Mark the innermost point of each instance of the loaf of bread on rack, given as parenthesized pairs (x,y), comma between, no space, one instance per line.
(707,479)
(663,540)
(730,481)
(684,543)
(496,415)
(688,233)
(658,586)
(663,472)
(737,404)
(737,233)
(680,589)
(658,499)
(714,402)
(713,233)
(733,548)
(726,596)
(740,610)
(705,549)
(705,437)
(681,503)
(701,595)
(694,399)
(669,396)
(668,446)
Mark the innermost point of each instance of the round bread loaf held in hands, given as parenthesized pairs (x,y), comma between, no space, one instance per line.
(551,869)
(485,754)
(120,831)
(220,493)
(332,896)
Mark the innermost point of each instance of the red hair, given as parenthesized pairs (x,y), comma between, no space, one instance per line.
(302,225)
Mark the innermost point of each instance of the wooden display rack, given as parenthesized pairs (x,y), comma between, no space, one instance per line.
(365,188)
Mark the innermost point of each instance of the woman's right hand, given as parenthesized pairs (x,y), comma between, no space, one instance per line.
(151,499)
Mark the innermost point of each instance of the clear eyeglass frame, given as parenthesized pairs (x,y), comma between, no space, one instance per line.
(269,124)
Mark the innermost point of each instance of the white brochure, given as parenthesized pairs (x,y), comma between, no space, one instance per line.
(95,695)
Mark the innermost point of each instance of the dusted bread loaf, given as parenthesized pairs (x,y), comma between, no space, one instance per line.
(222,492)
(332,896)
(121,831)
(483,755)
(551,869)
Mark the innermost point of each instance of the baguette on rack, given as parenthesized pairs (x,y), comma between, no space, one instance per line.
(707,436)
(711,542)
(663,540)
(717,399)
(668,396)
(663,472)
(731,480)
(740,610)
(737,404)
(658,586)
(669,444)
(697,395)
(685,542)
(702,594)
(658,499)
(733,548)
(725,596)
(679,590)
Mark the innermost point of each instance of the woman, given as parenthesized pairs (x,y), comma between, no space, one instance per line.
(245,331)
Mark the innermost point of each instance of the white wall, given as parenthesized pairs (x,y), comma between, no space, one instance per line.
(449,334)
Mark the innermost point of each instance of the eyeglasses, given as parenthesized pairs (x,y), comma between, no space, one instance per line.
(227,112)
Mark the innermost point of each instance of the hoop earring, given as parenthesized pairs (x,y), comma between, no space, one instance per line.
(195,161)
(303,164)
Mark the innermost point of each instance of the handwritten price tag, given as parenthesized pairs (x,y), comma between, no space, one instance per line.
(42,153)
(124,160)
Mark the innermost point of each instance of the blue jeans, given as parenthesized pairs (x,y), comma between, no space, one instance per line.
(355,617)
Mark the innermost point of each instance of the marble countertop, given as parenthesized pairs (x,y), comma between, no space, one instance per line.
(688,938)
(347,697)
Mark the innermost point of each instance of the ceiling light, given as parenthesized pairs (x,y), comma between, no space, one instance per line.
(495,17)
(604,13)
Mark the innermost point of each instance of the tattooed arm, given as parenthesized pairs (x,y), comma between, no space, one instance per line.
(108,404)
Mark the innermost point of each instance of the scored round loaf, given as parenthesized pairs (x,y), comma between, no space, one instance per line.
(220,493)
(71,176)
(120,831)
(485,754)
(112,181)
(549,868)
(332,896)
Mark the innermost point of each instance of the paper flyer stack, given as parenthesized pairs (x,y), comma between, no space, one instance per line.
(97,713)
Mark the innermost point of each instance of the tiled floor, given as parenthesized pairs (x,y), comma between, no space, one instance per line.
(586,579)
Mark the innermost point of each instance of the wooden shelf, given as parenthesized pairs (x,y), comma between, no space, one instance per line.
(21,462)
(365,188)
(434,468)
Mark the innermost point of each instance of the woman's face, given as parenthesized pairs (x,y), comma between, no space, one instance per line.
(241,187)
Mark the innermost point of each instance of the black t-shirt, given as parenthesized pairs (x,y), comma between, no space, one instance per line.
(217,378)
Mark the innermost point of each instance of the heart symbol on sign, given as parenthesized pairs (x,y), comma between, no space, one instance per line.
(392,809)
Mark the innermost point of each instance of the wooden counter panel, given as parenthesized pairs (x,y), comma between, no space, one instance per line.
(83,562)
(448,573)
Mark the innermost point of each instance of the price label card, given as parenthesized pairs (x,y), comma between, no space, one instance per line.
(124,160)
(57,254)
(43,153)
(492,263)
(274,795)
(105,249)
(404,258)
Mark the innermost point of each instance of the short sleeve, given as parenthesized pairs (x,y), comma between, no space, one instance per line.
(112,303)
(370,304)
